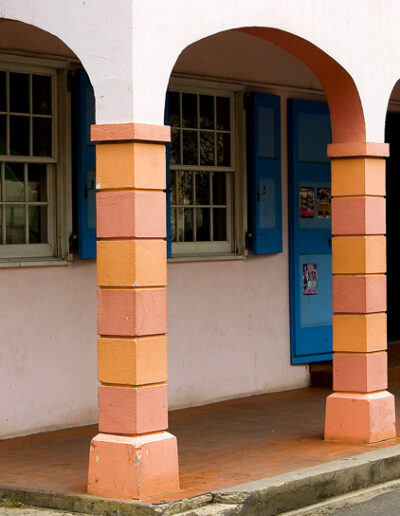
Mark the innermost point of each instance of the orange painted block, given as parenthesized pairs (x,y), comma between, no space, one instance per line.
(130,165)
(131,214)
(133,410)
(131,132)
(133,467)
(132,361)
(358,216)
(360,372)
(358,176)
(359,254)
(360,418)
(359,332)
(359,294)
(132,312)
(131,263)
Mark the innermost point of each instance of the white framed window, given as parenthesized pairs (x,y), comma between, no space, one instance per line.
(203,171)
(34,163)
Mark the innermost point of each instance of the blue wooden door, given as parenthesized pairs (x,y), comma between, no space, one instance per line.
(310,232)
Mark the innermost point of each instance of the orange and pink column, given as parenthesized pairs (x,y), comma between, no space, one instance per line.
(360,409)
(133,456)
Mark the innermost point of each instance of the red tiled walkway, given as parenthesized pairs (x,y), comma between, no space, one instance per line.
(220,445)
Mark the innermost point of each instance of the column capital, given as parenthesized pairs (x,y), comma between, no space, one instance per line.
(358,150)
(130,132)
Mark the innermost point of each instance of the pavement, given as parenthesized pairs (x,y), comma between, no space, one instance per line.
(267,497)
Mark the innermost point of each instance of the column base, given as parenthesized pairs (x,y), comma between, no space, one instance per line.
(360,418)
(133,467)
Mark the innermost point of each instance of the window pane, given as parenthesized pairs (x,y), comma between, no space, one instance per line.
(19,93)
(172,187)
(190,148)
(203,224)
(203,188)
(189,110)
(173,224)
(224,150)
(37,224)
(173,106)
(219,224)
(37,182)
(15,186)
(207,112)
(185,188)
(175,147)
(3,134)
(219,188)
(41,94)
(3,91)
(19,135)
(223,113)
(42,137)
(185,224)
(207,148)
(15,225)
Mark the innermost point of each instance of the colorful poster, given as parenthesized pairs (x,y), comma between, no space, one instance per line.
(324,203)
(310,279)
(306,202)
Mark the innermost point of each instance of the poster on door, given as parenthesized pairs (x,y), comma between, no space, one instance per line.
(310,279)
(306,202)
(324,203)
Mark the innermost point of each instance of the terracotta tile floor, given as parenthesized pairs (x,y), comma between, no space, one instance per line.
(220,445)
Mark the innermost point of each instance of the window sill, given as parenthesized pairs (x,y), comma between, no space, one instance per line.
(206,258)
(31,262)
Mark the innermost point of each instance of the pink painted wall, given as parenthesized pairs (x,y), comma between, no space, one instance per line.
(47,348)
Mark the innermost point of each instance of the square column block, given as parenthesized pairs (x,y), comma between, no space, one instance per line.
(359,332)
(360,418)
(133,410)
(130,165)
(131,263)
(358,176)
(358,254)
(131,214)
(360,372)
(358,216)
(359,294)
(132,361)
(131,312)
(133,467)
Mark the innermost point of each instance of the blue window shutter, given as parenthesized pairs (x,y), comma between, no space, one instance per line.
(168,183)
(86,168)
(265,173)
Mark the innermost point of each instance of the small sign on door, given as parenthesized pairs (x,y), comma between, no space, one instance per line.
(310,279)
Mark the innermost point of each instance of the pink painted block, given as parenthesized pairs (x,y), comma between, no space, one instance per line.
(356,372)
(133,410)
(131,214)
(132,312)
(360,418)
(358,216)
(359,294)
(133,467)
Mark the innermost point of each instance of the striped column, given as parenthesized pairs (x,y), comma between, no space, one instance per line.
(360,409)
(132,456)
